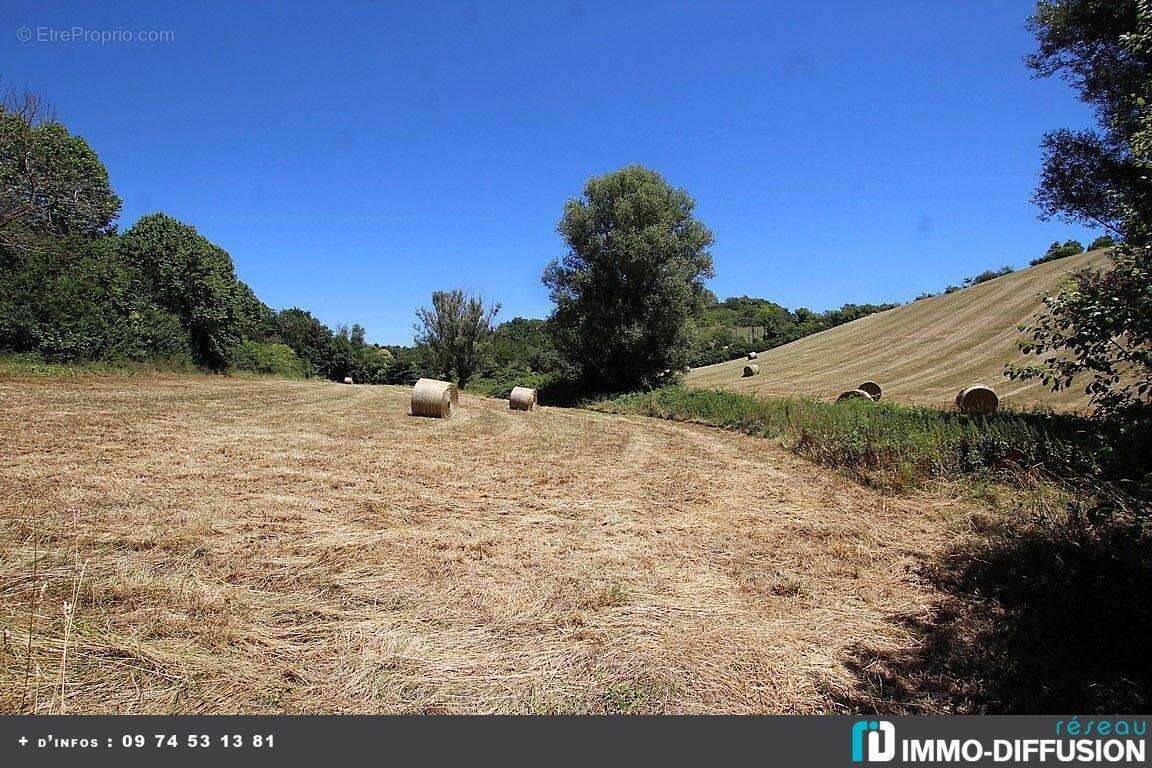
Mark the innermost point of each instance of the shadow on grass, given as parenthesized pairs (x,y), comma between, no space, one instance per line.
(1044,616)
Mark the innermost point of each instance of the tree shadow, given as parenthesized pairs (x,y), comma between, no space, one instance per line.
(1049,615)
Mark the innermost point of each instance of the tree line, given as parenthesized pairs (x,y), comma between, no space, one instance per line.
(73,288)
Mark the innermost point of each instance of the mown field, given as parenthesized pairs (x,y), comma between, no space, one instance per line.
(214,545)
(921,353)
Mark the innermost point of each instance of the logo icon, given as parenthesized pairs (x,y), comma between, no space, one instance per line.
(880,738)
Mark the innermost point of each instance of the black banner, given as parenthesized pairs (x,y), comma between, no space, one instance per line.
(537,741)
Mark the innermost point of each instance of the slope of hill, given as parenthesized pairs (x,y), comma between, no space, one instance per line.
(281,546)
(920,353)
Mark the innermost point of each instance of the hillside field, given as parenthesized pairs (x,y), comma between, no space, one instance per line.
(921,353)
(215,545)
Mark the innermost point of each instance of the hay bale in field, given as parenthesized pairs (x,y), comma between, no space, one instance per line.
(854,394)
(872,388)
(752,355)
(437,399)
(977,400)
(522,399)
(751,370)
(348,380)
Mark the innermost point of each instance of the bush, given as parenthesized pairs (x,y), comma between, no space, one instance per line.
(269,359)
(71,299)
(1058,251)
(985,276)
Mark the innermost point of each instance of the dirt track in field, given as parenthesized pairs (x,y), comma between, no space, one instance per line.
(271,546)
(921,353)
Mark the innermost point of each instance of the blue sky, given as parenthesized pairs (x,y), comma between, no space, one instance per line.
(354,157)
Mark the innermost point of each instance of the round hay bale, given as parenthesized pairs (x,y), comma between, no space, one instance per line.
(872,388)
(348,380)
(437,399)
(522,399)
(977,400)
(752,355)
(854,394)
(751,370)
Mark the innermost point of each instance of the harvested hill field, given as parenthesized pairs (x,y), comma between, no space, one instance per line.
(213,545)
(921,353)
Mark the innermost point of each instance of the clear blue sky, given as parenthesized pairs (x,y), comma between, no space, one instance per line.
(353,157)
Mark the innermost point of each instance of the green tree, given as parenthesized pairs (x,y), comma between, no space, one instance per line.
(193,279)
(1060,251)
(1104,241)
(1101,326)
(632,281)
(72,299)
(308,337)
(50,180)
(525,345)
(456,330)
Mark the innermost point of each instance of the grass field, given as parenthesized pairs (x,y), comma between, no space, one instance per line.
(921,353)
(214,545)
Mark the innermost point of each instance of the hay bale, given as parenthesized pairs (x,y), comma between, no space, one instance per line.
(751,370)
(977,400)
(872,388)
(522,399)
(437,399)
(348,380)
(854,394)
(752,355)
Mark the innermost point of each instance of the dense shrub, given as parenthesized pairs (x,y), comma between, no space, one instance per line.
(985,276)
(268,358)
(1060,251)
(72,299)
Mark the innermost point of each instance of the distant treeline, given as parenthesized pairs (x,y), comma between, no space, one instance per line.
(742,324)
(73,288)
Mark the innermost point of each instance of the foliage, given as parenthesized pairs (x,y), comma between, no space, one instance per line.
(51,182)
(1103,241)
(1058,251)
(1101,48)
(985,276)
(524,344)
(632,280)
(736,326)
(457,330)
(72,299)
(268,359)
(194,280)
(1100,327)
(895,446)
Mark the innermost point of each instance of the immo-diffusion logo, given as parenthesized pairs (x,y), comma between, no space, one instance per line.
(874,738)
(1106,740)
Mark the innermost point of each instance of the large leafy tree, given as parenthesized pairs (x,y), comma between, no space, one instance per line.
(193,279)
(632,282)
(51,182)
(457,330)
(1100,326)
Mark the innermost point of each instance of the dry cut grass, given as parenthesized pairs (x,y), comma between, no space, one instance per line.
(211,545)
(921,353)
